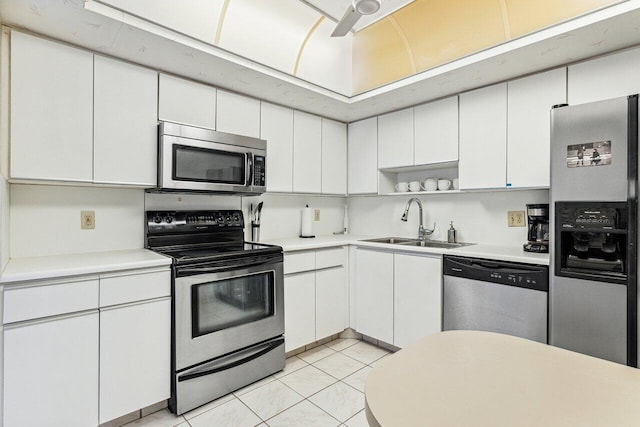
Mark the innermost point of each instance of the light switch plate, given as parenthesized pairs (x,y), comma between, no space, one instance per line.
(516,219)
(316,215)
(88,220)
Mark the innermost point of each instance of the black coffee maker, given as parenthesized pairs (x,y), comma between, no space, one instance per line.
(538,228)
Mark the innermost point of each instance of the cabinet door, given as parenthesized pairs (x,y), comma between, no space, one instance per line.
(395,139)
(184,101)
(299,310)
(135,357)
(276,126)
(125,135)
(237,114)
(603,78)
(529,126)
(334,157)
(307,153)
(51,372)
(330,301)
(436,132)
(51,110)
(417,297)
(483,138)
(374,294)
(362,147)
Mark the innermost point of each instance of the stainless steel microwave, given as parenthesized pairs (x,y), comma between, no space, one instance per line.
(199,159)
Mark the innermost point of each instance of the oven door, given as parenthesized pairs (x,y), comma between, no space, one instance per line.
(224,307)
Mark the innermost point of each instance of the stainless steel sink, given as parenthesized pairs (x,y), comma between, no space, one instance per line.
(404,241)
(392,240)
(435,244)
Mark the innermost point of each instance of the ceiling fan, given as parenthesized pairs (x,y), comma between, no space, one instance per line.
(356,10)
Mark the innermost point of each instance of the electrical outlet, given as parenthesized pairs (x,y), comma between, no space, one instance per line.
(88,220)
(515,219)
(316,215)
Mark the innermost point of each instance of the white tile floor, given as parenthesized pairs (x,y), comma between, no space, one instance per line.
(320,387)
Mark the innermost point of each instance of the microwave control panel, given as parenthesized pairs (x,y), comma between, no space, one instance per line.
(259,171)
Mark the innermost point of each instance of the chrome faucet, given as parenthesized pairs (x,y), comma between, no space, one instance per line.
(422,232)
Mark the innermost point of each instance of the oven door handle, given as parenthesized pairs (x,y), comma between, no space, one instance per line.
(232,361)
(231,265)
(187,271)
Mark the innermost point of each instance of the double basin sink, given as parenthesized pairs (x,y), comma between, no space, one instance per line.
(415,242)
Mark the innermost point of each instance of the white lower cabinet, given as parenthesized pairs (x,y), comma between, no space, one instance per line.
(374,294)
(315,295)
(417,302)
(398,295)
(300,310)
(135,357)
(85,363)
(51,372)
(330,301)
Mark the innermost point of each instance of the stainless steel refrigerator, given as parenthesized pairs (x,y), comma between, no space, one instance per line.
(593,271)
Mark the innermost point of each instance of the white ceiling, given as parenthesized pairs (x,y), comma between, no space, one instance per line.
(334,9)
(115,33)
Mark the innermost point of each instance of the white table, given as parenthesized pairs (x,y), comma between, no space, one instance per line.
(471,378)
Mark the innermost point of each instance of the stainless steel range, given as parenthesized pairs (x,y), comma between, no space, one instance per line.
(228,304)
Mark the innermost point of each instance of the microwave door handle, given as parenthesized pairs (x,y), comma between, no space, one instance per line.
(249,173)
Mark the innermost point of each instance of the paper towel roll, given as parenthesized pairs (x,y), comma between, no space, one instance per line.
(306,226)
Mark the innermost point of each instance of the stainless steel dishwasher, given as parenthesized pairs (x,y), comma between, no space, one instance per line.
(495,296)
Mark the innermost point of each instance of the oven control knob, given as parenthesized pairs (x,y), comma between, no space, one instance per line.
(236,218)
(228,218)
(157,219)
(168,219)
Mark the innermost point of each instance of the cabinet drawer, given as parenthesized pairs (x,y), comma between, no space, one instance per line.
(49,299)
(124,288)
(329,257)
(299,261)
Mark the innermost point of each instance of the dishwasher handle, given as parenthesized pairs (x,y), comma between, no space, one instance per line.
(501,272)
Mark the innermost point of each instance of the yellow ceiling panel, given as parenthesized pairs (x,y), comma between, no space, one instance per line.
(440,31)
(526,16)
(379,56)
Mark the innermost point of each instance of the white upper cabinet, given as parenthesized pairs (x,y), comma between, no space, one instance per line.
(51,110)
(395,139)
(608,77)
(276,127)
(436,132)
(184,101)
(362,148)
(334,157)
(483,138)
(307,153)
(125,134)
(529,126)
(238,114)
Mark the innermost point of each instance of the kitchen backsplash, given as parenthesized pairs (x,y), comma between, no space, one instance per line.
(479,217)
(45,219)
(281,214)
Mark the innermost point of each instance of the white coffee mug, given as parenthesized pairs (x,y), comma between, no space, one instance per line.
(456,184)
(402,187)
(444,184)
(414,186)
(430,184)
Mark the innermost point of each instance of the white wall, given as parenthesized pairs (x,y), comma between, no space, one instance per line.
(281,214)
(45,219)
(479,217)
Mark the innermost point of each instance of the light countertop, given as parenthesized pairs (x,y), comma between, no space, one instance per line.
(493,252)
(471,378)
(54,266)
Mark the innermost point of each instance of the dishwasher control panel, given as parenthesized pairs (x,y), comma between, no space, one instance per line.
(500,272)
